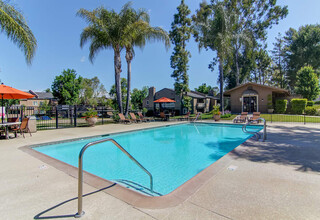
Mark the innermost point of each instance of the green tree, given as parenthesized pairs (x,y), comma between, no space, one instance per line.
(14,25)
(113,91)
(307,83)
(280,62)
(213,30)
(106,30)
(203,88)
(303,48)
(137,32)
(47,90)
(138,96)
(179,35)
(261,73)
(66,87)
(92,91)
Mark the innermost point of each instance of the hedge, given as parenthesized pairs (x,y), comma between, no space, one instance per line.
(281,106)
(310,103)
(298,105)
(310,110)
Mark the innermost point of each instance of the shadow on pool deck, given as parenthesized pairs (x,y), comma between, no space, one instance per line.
(298,146)
(38,216)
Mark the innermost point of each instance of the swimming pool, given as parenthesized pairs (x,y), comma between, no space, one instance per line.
(173,154)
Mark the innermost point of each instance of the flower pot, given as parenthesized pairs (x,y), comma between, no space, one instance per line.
(92,121)
(216,117)
(270,110)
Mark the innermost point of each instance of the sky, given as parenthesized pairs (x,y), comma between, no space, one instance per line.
(57,30)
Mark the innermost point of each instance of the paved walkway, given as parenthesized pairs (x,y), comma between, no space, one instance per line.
(277,179)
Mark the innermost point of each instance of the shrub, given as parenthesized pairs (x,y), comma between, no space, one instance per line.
(298,105)
(91,113)
(317,102)
(310,110)
(270,102)
(310,103)
(228,115)
(281,106)
(115,116)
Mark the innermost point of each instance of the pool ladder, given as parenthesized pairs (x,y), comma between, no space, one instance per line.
(258,136)
(80,175)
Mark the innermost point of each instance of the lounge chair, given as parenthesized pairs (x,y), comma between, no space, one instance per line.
(22,128)
(144,119)
(134,118)
(163,116)
(123,119)
(186,117)
(255,116)
(241,118)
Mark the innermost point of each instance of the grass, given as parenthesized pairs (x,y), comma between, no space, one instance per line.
(317,106)
(290,118)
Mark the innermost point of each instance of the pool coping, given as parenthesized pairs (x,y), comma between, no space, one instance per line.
(134,198)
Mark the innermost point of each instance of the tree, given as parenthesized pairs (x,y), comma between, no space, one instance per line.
(261,74)
(106,30)
(213,30)
(137,32)
(14,25)
(280,62)
(48,90)
(203,88)
(303,49)
(179,35)
(138,96)
(92,91)
(66,87)
(307,83)
(113,91)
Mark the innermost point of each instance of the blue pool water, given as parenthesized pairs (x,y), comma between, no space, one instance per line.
(173,154)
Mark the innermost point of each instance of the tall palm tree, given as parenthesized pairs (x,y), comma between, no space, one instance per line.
(137,33)
(106,31)
(14,25)
(213,30)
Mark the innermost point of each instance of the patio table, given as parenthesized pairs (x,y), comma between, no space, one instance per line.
(6,127)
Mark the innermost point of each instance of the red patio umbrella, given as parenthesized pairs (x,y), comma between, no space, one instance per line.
(7,92)
(164,99)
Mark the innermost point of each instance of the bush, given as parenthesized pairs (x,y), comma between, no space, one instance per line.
(281,106)
(310,110)
(317,102)
(298,105)
(310,103)
(115,116)
(228,115)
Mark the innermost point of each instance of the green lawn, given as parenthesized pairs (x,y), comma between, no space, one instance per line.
(290,118)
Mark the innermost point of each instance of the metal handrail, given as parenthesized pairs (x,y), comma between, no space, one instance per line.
(244,128)
(198,114)
(80,175)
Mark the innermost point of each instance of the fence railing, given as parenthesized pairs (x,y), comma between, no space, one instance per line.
(60,116)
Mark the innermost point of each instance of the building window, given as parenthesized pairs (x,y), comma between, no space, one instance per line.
(35,103)
(147,102)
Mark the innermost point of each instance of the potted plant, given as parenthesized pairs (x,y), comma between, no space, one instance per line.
(91,116)
(270,106)
(216,113)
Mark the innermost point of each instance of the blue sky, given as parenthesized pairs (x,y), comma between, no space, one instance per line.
(57,29)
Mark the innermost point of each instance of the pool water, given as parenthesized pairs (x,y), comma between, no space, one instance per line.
(172,154)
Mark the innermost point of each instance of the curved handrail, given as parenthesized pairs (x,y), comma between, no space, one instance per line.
(197,116)
(80,177)
(244,128)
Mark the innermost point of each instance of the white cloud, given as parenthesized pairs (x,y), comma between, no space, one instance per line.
(83,59)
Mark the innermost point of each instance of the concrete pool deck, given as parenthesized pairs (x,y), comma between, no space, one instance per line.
(276,179)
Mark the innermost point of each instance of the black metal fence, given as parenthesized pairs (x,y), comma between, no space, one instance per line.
(60,116)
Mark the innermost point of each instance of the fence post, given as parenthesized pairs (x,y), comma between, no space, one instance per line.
(57,120)
(102,113)
(75,115)
(21,113)
(304,118)
(271,118)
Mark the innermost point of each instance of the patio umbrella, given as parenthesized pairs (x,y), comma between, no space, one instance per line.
(163,100)
(7,92)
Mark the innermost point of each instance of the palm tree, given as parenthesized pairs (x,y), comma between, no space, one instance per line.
(14,25)
(105,31)
(137,33)
(213,30)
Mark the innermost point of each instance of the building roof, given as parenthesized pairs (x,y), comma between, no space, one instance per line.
(41,95)
(275,89)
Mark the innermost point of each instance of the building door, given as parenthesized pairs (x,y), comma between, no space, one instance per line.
(250,104)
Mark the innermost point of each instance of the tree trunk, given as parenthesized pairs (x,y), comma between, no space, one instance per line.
(129,57)
(221,87)
(117,71)
(237,67)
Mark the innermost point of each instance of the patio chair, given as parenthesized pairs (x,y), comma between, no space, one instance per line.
(241,118)
(22,128)
(134,118)
(255,116)
(163,116)
(186,117)
(123,119)
(145,119)
(13,120)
